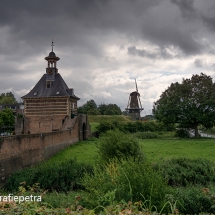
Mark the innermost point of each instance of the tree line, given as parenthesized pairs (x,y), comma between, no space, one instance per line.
(91,108)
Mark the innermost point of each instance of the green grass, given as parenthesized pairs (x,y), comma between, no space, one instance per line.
(84,152)
(157,149)
(93,126)
(108,118)
(154,150)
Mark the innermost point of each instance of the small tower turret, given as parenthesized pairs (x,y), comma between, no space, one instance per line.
(52,62)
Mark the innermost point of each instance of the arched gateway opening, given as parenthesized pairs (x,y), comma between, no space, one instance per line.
(84,131)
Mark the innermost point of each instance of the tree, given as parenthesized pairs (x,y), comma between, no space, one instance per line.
(190,103)
(7,98)
(7,118)
(89,108)
(109,109)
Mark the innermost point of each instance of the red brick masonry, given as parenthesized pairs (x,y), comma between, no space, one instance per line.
(20,151)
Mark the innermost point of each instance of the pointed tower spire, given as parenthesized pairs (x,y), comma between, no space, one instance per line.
(52,44)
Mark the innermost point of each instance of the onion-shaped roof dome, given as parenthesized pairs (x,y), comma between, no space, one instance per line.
(52,54)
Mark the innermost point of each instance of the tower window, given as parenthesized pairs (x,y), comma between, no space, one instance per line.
(48,84)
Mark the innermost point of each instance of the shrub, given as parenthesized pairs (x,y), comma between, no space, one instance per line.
(118,145)
(106,126)
(133,127)
(185,171)
(195,200)
(62,177)
(126,181)
(149,126)
(146,135)
(182,133)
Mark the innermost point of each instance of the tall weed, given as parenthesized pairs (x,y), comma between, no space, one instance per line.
(128,181)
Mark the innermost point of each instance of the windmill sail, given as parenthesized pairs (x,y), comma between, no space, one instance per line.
(136,85)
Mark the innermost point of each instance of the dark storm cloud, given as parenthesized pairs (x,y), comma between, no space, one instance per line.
(76,23)
(209,22)
(186,7)
(189,11)
(36,22)
(168,28)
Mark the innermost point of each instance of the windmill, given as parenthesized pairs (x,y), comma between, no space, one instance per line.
(134,105)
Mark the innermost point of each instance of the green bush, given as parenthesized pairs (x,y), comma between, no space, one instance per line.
(182,133)
(195,200)
(148,126)
(146,135)
(118,145)
(62,177)
(126,181)
(133,127)
(106,126)
(186,172)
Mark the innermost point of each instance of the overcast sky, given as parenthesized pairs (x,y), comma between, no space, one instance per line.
(103,45)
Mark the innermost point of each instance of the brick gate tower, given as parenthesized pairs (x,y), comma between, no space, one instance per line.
(51,105)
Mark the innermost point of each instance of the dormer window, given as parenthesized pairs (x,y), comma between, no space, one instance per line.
(48,84)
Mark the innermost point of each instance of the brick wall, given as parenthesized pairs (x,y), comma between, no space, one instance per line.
(37,124)
(20,151)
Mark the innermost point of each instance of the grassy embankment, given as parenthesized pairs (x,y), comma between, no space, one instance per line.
(154,149)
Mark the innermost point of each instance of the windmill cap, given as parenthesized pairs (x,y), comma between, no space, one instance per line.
(134,94)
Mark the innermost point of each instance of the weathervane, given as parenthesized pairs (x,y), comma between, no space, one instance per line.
(52,44)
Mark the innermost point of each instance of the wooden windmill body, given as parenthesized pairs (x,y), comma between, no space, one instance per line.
(134,105)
